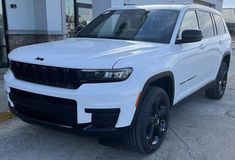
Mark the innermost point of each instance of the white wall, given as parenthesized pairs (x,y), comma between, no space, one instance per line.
(40,15)
(143,2)
(21,18)
(36,17)
(99,7)
(218,3)
(54,16)
(117,3)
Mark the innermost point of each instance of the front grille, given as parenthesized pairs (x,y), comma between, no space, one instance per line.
(45,108)
(46,75)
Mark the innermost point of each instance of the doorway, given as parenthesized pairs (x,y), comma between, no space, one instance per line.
(3,44)
(83,13)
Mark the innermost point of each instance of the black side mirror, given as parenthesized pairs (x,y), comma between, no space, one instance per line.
(191,35)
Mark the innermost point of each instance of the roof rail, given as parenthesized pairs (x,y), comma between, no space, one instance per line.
(127,4)
(187,3)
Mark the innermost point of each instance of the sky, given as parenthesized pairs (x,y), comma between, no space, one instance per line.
(229,4)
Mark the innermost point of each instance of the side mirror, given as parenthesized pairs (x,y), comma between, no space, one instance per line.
(191,35)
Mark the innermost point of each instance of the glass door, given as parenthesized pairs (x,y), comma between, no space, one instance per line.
(83,11)
(3,45)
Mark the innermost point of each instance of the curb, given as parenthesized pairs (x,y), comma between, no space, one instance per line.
(5,116)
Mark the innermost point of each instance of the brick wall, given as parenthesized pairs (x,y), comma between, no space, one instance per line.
(16,41)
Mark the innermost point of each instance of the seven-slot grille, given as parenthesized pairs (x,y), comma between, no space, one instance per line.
(46,75)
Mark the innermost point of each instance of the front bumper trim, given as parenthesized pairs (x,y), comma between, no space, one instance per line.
(87,129)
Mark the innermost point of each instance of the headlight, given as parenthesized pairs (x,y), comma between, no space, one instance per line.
(109,75)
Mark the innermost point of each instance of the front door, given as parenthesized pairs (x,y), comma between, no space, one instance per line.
(190,67)
(3,46)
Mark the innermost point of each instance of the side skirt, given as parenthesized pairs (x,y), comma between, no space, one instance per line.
(181,102)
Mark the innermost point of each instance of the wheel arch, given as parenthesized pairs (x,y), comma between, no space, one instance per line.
(164,80)
(227,58)
(149,82)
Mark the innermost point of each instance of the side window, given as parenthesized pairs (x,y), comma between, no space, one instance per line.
(206,24)
(219,25)
(189,22)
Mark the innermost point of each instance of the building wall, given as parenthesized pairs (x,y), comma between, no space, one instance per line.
(218,3)
(54,16)
(21,18)
(34,21)
(100,7)
(40,15)
(43,20)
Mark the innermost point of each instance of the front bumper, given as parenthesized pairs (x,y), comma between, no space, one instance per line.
(119,95)
(82,128)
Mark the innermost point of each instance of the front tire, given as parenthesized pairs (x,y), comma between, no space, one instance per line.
(217,91)
(151,124)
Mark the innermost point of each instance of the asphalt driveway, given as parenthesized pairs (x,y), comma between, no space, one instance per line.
(200,129)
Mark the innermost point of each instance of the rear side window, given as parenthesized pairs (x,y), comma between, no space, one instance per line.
(219,25)
(189,22)
(206,24)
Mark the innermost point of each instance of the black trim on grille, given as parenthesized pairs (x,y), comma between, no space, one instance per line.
(47,75)
(45,108)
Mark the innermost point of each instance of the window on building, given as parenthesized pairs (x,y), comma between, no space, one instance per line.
(85,1)
(70,16)
(206,24)
(78,13)
(219,25)
(189,22)
(83,13)
(3,44)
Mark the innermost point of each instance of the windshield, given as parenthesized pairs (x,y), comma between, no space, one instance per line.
(136,24)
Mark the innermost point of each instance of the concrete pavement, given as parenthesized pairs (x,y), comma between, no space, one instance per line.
(3,98)
(200,129)
(3,102)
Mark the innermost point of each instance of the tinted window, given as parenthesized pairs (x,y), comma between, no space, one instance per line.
(219,24)
(189,22)
(135,24)
(206,24)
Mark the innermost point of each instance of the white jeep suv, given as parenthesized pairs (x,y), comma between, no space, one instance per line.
(123,72)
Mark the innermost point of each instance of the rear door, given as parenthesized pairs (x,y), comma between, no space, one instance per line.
(209,47)
(222,40)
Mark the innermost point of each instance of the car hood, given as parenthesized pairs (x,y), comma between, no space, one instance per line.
(85,53)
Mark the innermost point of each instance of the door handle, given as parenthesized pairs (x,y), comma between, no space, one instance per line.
(202,46)
(220,41)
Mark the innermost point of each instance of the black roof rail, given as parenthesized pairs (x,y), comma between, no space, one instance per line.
(126,4)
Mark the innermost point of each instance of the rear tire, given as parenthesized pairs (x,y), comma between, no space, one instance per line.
(151,123)
(217,91)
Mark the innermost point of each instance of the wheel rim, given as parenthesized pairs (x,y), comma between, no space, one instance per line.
(157,124)
(223,81)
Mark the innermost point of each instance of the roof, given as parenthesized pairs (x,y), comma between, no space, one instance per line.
(169,6)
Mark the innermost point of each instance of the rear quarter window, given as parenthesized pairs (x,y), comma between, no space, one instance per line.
(219,24)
